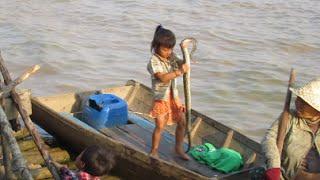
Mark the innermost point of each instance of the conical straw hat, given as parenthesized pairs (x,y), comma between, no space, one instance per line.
(310,93)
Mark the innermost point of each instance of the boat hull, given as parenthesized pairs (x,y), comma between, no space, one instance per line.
(132,162)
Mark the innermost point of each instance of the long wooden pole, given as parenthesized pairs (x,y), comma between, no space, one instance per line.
(19,164)
(285,114)
(28,123)
(5,150)
(6,159)
(15,123)
(186,82)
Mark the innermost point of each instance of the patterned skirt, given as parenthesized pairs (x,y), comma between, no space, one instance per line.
(172,110)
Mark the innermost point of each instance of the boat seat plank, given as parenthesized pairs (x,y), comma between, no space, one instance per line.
(119,135)
(141,138)
(128,135)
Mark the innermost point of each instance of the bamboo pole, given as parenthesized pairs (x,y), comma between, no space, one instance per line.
(285,114)
(19,165)
(186,82)
(27,121)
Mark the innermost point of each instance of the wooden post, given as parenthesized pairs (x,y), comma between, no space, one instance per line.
(28,123)
(16,124)
(19,165)
(285,114)
(6,159)
(6,154)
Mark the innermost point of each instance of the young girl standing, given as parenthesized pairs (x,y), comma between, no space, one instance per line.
(164,68)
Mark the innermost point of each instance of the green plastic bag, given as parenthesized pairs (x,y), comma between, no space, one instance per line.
(224,159)
(198,151)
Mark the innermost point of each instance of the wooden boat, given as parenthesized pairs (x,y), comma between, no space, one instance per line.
(132,142)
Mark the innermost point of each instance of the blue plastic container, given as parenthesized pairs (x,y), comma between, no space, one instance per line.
(105,110)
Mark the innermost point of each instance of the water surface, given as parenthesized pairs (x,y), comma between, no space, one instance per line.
(245,52)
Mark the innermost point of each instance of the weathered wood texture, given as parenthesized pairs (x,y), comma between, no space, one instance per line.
(6,159)
(9,105)
(27,121)
(7,80)
(19,165)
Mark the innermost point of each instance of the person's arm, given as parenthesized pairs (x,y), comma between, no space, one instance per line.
(167,77)
(58,165)
(174,57)
(269,145)
(303,175)
(179,69)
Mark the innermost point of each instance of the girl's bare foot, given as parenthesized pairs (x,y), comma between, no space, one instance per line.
(154,154)
(182,154)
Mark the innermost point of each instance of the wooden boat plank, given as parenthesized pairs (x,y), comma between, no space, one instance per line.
(142,136)
(119,135)
(207,127)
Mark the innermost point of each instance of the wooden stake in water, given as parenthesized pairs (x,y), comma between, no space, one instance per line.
(186,82)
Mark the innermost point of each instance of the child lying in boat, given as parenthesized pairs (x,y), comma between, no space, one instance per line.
(93,162)
(164,68)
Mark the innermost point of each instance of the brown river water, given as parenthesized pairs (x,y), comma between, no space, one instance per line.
(245,49)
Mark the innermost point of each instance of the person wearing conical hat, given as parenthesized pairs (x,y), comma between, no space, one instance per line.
(300,156)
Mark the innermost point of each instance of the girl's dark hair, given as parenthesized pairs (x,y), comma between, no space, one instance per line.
(97,160)
(162,37)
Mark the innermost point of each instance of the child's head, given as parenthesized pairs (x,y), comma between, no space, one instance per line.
(163,42)
(95,160)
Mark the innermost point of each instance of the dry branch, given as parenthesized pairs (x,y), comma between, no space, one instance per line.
(27,121)
(7,89)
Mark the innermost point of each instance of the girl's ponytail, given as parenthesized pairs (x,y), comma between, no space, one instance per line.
(158,28)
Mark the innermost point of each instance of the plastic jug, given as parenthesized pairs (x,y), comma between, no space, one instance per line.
(105,110)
